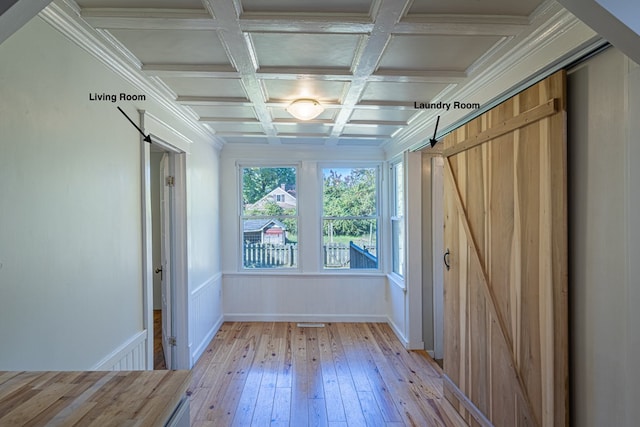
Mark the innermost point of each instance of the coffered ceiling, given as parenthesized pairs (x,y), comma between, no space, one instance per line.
(235,65)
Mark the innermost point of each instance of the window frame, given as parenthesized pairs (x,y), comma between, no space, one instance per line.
(378,217)
(395,218)
(242,216)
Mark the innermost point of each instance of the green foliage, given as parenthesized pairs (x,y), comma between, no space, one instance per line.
(349,195)
(258,182)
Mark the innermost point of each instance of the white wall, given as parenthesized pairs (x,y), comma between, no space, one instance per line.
(70,210)
(205,278)
(308,293)
(604,226)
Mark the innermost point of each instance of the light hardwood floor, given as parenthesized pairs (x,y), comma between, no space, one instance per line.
(158,352)
(345,374)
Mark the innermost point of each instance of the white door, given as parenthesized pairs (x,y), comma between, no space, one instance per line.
(165,258)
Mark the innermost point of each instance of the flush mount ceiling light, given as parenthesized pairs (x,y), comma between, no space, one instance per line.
(305,109)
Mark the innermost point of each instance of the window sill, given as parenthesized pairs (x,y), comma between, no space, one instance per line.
(328,274)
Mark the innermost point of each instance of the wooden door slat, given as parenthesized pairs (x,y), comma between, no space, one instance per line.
(506,311)
(486,289)
(538,113)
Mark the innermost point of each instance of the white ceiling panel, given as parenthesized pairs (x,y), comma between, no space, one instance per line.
(303,128)
(306,6)
(174,46)
(295,89)
(475,7)
(372,115)
(376,130)
(301,140)
(224,111)
(206,86)
(245,140)
(282,114)
(158,4)
(418,52)
(305,50)
(401,92)
(237,128)
(236,64)
(361,142)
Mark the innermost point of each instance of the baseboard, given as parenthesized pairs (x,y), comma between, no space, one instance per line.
(130,356)
(398,332)
(327,318)
(205,342)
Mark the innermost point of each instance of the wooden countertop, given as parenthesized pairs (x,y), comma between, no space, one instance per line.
(111,398)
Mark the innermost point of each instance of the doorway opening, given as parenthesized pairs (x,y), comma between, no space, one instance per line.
(161,244)
(165,255)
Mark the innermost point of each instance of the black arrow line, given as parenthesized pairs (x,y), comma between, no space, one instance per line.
(433,141)
(146,137)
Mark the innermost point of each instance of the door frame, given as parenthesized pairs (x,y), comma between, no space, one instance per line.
(178,236)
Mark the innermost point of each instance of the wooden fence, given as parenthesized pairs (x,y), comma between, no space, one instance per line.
(335,255)
(266,255)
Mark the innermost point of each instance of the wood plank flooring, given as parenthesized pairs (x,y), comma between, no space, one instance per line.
(158,352)
(345,374)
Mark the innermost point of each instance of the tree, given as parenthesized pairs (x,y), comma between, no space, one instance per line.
(350,195)
(258,182)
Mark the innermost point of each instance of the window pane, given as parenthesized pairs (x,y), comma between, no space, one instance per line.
(349,192)
(398,196)
(270,243)
(349,243)
(397,232)
(269,218)
(269,191)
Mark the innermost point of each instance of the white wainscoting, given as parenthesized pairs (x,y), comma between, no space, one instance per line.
(304,297)
(205,315)
(397,307)
(130,356)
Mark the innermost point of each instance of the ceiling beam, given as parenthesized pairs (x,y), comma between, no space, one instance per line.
(184,19)
(191,70)
(15,13)
(243,58)
(323,74)
(462,25)
(148,19)
(388,14)
(301,23)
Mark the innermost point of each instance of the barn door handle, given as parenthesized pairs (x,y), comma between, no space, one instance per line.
(446,259)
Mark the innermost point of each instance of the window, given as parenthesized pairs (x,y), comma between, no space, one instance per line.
(397,218)
(350,218)
(269,217)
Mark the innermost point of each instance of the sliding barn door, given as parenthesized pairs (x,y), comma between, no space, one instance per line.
(506,327)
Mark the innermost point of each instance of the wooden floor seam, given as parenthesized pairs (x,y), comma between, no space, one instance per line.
(343,374)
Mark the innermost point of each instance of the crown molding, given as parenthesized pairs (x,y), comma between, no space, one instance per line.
(557,22)
(64,16)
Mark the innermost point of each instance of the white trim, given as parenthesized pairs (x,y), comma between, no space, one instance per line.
(216,277)
(197,353)
(146,240)
(437,224)
(397,281)
(413,251)
(398,332)
(180,260)
(314,275)
(181,264)
(327,318)
(61,16)
(129,356)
